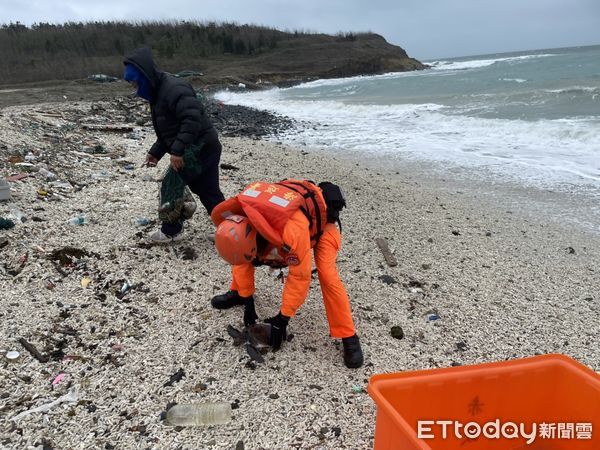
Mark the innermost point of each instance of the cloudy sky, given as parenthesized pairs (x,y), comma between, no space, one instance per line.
(426,29)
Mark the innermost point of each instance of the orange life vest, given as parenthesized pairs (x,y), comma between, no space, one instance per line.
(269,206)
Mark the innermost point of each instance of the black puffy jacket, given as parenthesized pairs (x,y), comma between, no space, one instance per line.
(178,116)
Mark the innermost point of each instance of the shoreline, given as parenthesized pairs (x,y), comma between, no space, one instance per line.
(574,210)
(503,286)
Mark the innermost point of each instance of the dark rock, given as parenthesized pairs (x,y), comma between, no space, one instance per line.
(177,376)
(226,166)
(397,332)
(315,386)
(239,445)
(235,404)
(388,279)
(571,250)
(455,233)
(426,266)
(274,396)
(461,346)
(337,431)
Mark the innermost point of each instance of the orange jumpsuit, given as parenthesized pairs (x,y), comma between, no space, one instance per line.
(297,236)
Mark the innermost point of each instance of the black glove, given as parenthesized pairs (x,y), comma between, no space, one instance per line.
(250,316)
(279,325)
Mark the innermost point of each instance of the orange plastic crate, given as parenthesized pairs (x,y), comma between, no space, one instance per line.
(549,389)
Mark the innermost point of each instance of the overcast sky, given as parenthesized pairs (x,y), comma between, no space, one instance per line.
(426,29)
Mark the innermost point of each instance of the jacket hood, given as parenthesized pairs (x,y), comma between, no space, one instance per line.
(142,59)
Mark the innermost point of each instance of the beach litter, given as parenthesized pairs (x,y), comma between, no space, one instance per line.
(70,397)
(12,356)
(390,259)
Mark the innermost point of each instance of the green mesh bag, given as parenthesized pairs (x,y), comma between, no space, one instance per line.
(176,202)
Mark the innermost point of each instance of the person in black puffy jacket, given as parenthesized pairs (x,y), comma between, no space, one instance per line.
(183,130)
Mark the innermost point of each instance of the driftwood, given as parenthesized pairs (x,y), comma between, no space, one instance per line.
(115,128)
(34,351)
(387,254)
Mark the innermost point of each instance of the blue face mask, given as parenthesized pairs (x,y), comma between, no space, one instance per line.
(134,75)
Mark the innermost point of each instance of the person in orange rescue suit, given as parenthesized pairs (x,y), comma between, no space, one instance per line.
(278,224)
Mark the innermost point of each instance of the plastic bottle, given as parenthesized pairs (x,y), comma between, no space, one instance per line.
(77,220)
(46,173)
(18,215)
(199,414)
(140,221)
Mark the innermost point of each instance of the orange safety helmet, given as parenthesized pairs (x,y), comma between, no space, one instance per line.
(235,240)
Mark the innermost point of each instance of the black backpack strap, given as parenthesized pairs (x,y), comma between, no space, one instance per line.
(308,195)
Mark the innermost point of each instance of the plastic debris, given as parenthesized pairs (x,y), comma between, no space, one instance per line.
(12,356)
(80,219)
(61,376)
(102,78)
(188,73)
(85,282)
(70,397)
(218,413)
(47,174)
(4,190)
(18,215)
(140,221)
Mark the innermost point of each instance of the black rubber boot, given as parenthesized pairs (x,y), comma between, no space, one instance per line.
(353,355)
(227,300)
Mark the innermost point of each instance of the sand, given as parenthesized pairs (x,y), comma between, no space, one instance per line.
(503,284)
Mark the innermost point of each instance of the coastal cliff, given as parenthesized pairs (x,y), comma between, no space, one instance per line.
(210,53)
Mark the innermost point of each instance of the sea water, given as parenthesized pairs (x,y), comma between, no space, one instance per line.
(529,117)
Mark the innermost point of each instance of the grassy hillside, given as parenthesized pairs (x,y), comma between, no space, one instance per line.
(220,51)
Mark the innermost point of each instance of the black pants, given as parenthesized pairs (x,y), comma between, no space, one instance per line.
(206,185)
